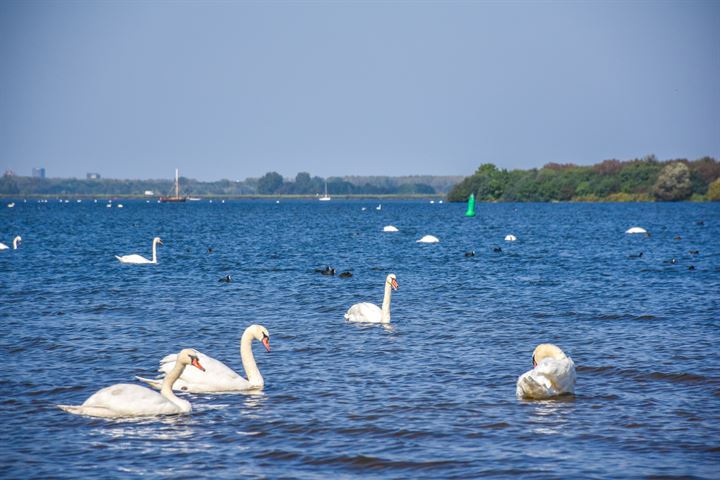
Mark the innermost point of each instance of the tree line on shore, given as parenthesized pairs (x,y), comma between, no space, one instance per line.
(645,179)
(272,183)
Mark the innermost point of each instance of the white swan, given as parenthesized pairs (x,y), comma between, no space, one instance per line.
(510,238)
(135,258)
(128,400)
(553,374)
(218,377)
(15,243)
(636,230)
(369,312)
(390,228)
(428,239)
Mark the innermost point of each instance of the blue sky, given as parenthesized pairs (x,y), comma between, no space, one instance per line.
(236,89)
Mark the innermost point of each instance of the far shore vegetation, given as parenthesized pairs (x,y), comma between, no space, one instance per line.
(639,180)
(272,184)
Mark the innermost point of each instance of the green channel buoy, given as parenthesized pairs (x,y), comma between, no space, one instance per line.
(471,206)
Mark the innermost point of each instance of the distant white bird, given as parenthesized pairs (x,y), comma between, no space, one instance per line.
(390,228)
(428,239)
(379,207)
(636,230)
(553,374)
(120,205)
(15,243)
(11,204)
(371,313)
(138,259)
(510,238)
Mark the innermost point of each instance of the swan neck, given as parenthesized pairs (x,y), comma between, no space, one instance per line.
(386,303)
(15,242)
(154,260)
(167,391)
(248,360)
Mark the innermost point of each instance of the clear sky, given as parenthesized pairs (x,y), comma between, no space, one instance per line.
(133,89)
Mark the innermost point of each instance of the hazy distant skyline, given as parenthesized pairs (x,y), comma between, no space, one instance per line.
(237,89)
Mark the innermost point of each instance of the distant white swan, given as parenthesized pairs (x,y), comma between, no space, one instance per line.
(390,228)
(428,239)
(128,400)
(553,374)
(135,258)
(371,313)
(510,238)
(379,207)
(636,230)
(218,377)
(15,243)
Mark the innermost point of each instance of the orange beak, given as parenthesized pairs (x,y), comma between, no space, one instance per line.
(266,342)
(394,284)
(196,364)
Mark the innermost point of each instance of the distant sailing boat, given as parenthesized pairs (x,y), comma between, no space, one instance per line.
(325,197)
(176,197)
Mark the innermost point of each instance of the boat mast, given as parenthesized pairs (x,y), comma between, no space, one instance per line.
(177,184)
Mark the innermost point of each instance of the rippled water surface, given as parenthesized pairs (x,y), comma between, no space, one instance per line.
(432,397)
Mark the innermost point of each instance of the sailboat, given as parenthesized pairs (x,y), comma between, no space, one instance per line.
(325,197)
(175,198)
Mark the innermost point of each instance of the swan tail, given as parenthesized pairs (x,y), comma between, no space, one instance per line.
(153,382)
(76,409)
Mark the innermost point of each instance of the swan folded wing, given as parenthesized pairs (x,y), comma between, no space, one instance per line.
(126,399)
(216,377)
(134,258)
(550,378)
(364,312)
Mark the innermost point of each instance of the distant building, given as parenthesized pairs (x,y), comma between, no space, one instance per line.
(93,176)
(9,173)
(38,172)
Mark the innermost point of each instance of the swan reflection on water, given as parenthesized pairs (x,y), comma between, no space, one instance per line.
(550,417)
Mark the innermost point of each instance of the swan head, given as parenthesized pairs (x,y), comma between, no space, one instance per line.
(261,334)
(546,350)
(392,281)
(190,356)
(157,240)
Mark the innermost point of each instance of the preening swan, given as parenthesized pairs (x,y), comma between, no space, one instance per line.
(636,230)
(371,313)
(218,377)
(128,400)
(390,228)
(553,374)
(428,239)
(135,258)
(510,238)
(15,243)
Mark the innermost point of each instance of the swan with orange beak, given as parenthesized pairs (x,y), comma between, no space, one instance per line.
(218,377)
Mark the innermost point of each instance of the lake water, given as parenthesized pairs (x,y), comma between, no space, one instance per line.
(432,397)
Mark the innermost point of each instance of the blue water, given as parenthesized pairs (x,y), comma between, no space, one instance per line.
(431,397)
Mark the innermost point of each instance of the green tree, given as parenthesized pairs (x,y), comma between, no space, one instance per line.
(673,183)
(713,192)
(270,183)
